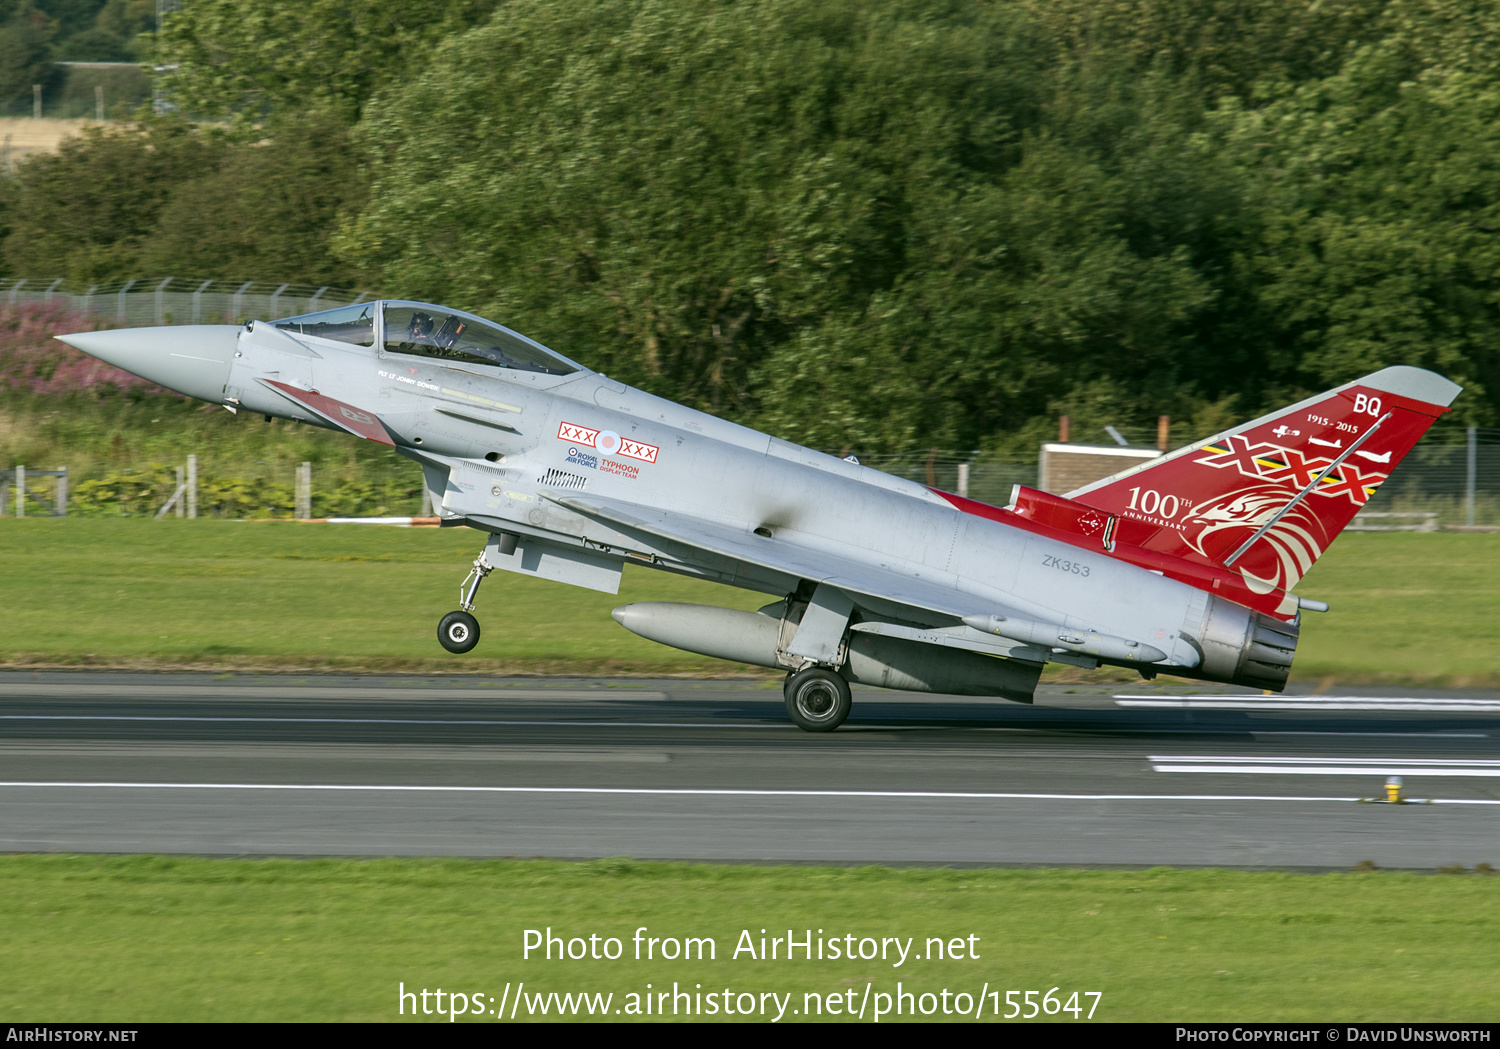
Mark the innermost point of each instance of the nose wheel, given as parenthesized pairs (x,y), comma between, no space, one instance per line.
(458,631)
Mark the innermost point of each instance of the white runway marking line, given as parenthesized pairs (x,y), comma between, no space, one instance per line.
(1397,735)
(697,792)
(391,721)
(346,693)
(778,725)
(674,791)
(677,791)
(1430,705)
(1262,765)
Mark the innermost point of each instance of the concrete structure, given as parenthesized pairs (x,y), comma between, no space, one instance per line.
(1062,468)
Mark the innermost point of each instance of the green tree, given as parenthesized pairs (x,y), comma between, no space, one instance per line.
(1243,48)
(886,224)
(25,41)
(115,34)
(247,56)
(85,211)
(266,212)
(1380,191)
(868,224)
(97,30)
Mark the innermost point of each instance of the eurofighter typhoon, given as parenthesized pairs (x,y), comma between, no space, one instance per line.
(1184,565)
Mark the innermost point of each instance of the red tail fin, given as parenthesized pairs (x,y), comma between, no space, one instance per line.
(1267,498)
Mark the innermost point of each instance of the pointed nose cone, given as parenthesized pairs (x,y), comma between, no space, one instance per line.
(192,359)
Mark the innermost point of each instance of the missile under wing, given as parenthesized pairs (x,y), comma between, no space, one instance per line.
(1185,565)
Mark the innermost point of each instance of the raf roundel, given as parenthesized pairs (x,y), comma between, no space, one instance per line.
(608,442)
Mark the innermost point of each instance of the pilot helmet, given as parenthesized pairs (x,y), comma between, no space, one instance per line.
(421,326)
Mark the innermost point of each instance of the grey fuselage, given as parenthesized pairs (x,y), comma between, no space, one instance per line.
(494,446)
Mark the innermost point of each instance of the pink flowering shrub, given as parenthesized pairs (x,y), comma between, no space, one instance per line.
(32,360)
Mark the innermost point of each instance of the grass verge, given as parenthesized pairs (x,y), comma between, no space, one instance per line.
(154,938)
(233,595)
(228,595)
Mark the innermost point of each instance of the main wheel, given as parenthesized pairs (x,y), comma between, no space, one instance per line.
(458,632)
(817,699)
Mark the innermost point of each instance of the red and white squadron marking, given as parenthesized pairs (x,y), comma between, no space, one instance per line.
(576,434)
(608,442)
(646,453)
(1271,462)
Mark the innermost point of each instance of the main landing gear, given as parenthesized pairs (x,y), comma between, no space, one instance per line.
(817,698)
(458,631)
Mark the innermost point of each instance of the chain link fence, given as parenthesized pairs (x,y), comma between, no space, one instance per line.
(1453,475)
(1454,479)
(989,481)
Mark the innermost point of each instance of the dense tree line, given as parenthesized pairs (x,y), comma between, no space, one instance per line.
(34,34)
(878,223)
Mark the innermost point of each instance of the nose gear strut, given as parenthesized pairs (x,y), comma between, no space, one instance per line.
(458,631)
(470,586)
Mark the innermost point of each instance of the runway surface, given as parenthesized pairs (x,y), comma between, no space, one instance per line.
(712,770)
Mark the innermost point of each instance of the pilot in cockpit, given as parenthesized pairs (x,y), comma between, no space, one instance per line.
(420,328)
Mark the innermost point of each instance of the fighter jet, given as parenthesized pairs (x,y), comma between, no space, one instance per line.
(1186,565)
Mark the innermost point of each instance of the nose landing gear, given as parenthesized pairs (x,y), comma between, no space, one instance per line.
(458,631)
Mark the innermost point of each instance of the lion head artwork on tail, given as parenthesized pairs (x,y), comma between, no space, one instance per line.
(1283,555)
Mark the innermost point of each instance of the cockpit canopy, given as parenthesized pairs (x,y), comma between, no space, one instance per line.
(422,329)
